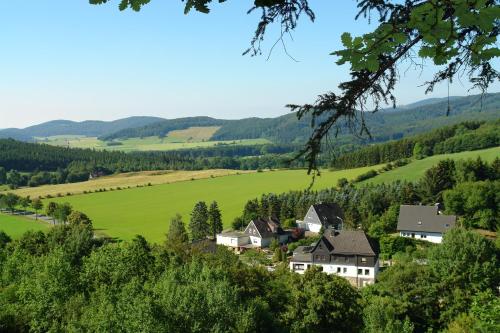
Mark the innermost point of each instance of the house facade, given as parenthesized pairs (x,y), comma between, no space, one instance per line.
(258,234)
(424,223)
(326,215)
(347,253)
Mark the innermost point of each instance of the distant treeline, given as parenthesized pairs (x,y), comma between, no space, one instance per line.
(471,135)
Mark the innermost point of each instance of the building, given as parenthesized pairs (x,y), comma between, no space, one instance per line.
(326,215)
(258,234)
(346,253)
(424,222)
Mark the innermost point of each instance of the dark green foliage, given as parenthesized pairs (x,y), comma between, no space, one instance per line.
(436,180)
(177,237)
(367,175)
(9,201)
(390,245)
(214,219)
(198,225)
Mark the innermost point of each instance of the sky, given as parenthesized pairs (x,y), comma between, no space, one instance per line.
(71,60)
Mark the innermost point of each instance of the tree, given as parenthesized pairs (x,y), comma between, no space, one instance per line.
(4,239)
(458,36)
(214,219)
(9,201)
(24,202)
(50,211)
(37,205)
(177,238)
(14,179)
(198,225)
(78,218)
(62,212)
(3,176)
(436,180)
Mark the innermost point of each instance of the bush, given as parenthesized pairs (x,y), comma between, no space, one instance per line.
(364,176)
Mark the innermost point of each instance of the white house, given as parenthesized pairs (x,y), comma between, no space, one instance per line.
(326,215)
(258,234)
(424,222)
(346,253)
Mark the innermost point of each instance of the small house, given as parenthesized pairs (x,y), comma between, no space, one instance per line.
(322,215)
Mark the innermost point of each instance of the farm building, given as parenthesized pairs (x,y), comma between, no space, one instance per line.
(424,222)
(346,253)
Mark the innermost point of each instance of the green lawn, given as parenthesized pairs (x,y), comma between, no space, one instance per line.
(416,169)
(147,210)
(15,226)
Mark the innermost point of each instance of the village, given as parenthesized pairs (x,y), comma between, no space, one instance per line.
(351,254)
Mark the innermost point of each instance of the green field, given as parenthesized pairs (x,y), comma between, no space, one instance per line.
(185,139)
(15,226)
(147,210)
(416,169)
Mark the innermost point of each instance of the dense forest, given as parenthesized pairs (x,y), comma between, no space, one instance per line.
(67,280)
(471,135)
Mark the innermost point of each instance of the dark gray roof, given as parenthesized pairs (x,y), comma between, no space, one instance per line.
(267,227)
(424,218)
(350,242)
(237,234)
(328,213)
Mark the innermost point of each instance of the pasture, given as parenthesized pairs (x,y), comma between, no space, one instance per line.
(416,169)
(129,179)
(193,137)
(148,210)
(15,226)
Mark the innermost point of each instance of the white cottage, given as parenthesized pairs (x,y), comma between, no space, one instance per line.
(424,222)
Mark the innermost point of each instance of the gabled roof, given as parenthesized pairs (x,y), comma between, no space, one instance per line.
(424,218)
(329,213)
(266,227)
(350,242)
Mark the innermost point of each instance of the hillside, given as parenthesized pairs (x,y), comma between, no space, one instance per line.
(385,125)
(84,128)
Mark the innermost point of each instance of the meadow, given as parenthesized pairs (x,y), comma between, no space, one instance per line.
(148,210)
(15,226)
(129,179)
(416,169)
(193,137)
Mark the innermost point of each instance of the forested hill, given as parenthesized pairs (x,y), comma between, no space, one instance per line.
(385,125)
(67,127)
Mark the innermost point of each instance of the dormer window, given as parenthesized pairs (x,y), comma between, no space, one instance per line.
(419,222)
(446,225)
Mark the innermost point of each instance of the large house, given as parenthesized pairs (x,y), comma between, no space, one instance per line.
(258,234)
(322,215)
(347,253)
(424,222)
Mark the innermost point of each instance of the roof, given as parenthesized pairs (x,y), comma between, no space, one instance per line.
(424,218)
(236,234)
(267,227)
(329,213)
(350,242)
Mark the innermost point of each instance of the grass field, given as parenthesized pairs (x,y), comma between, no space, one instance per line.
(15,226)
(193,137)
(147,210)
(131,179)
(416,169)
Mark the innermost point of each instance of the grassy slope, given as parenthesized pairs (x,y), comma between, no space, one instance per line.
(416,169)
(147,210)
(15,226)
(131,179)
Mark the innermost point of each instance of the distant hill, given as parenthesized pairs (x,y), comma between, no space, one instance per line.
(85,128)
(384,125)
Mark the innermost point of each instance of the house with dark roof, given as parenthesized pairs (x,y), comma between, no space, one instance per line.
(424,222)
(326,215)
(346,253)
(258,234)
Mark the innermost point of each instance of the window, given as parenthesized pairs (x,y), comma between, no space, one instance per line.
(367,272)
(419,222)
(423,236)
(338,269)
(345,269)
(363,259)
(298,267)
(360,271)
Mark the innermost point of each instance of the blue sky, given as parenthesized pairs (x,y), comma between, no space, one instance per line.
(65,59)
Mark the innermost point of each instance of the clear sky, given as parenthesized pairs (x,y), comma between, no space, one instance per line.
(66,59)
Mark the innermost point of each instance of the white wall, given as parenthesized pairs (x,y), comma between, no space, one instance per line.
(257,241)
(232,241)
(433,237)
(345,270)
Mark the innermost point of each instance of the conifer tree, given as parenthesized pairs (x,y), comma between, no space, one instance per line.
(214,219)
(198,225)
